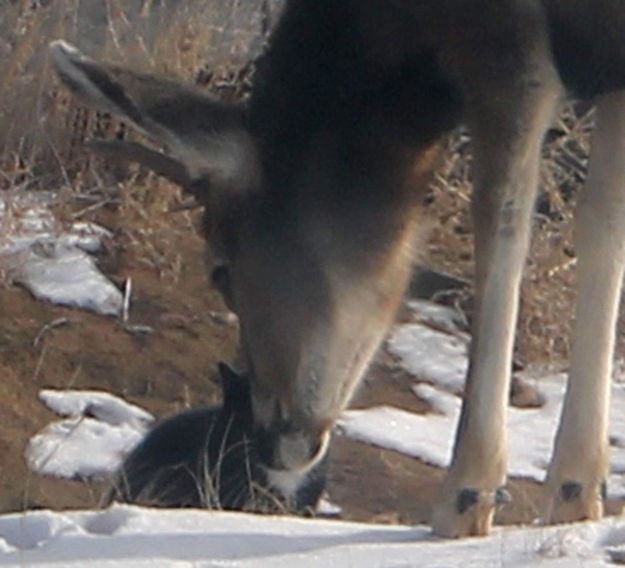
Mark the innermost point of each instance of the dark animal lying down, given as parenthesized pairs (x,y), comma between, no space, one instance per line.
(206,457)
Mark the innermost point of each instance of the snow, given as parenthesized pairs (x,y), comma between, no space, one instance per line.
(101,405)
(433,349)
(68,276)
(81,448)
(128,536)
(54,262)
(92,442)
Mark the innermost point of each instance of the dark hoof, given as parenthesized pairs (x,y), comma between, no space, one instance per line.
(503,496)
(570,491)
(469,497)
(466,499)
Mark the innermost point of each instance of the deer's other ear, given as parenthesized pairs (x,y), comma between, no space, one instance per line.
(207,139)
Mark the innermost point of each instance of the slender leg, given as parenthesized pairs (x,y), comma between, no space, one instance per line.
(580,462)
(508,122)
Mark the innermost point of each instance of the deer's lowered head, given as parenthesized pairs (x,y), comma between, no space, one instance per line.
(310,217)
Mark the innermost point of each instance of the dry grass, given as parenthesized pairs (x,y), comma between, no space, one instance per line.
(209,42)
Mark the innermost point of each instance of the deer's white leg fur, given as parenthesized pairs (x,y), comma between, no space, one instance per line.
(507,132)
(580,461)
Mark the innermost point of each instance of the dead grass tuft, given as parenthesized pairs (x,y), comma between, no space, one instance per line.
(208,42)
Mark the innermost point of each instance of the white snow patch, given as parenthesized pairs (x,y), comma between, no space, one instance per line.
(86,236)
(427,437)
(52,262)
(81,448)
(102,405)
(68,276)
(102,430)
(444,317)
(433,356)
(134,537)
(325,508)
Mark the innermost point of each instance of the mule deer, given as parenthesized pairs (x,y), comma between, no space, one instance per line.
(312,194)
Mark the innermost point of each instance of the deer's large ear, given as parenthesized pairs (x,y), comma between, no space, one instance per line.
(202,138)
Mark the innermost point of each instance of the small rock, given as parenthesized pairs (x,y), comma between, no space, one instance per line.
(524,394)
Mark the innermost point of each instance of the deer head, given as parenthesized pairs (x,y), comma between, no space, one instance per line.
(311,255)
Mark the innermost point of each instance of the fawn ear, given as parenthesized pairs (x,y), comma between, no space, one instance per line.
(202,139)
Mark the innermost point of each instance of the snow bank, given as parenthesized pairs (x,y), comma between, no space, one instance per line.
(134,537)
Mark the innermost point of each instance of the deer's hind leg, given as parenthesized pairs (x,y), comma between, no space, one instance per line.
(579,467)
(510,109)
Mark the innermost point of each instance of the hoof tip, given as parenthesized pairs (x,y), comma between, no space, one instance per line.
(570,491)
(466,499)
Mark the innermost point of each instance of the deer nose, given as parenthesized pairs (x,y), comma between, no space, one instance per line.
(291,449)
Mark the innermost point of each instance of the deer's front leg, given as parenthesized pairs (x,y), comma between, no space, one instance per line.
(580,462)
(508,129)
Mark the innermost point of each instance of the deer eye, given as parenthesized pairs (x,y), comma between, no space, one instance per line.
(222,281)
